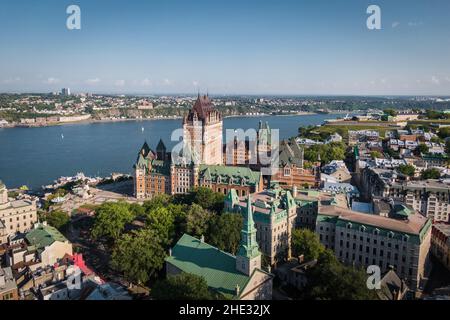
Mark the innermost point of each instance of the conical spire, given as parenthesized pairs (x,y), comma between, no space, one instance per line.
(248,246)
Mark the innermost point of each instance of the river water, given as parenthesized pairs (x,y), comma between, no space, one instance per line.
(37,156)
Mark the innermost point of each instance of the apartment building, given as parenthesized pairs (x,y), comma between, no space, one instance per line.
(15,215)
(400,241)
(440,243)
(429,197)
(275,214)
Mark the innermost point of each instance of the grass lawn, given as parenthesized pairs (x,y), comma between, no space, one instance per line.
(343,130)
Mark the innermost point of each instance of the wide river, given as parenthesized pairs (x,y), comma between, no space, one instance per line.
(37,156)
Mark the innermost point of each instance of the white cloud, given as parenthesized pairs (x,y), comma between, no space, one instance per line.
(395,24)
(167,82)
(146,82)
(51,80)
(120,83)
(93,81)
(195,83)
(12,80)
(414,23)
(435,80)
(447,79)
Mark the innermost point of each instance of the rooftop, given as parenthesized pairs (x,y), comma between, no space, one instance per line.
(42,236)
(217,267)
(413,225)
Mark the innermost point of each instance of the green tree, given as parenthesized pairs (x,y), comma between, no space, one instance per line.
(390,112)
(432,173)
(327,152)
(444,133)
(407,169)
(162,200)
(376,154)
(225,232)
(207,199)
(110,220)
(162,222)
(184,286)
(330,280)
(138,255)
(422,148)
(447,146)
(198,220)
(57,219)
(307,243)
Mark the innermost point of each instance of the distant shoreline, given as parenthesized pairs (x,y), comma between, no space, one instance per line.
(90,121)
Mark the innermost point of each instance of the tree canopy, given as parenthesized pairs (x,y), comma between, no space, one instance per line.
(138,255)
(407,169)
(58,219)
(432,173)
(183,286)
(110,220)
(225,232)
(306,243)
(327,152)
(197,220)
(330,280)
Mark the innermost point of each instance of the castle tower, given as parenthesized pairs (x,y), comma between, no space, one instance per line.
(248,257)
(202,132)
(3,195)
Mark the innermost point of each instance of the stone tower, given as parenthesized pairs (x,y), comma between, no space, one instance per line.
(248,257)
(3,196)
(202,132)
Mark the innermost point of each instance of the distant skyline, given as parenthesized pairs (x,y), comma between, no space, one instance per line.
(265,47)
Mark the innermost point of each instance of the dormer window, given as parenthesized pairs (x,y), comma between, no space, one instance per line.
(376,231)
(390,235)
(287,171)
(349,225)
(362,229)
(405,237)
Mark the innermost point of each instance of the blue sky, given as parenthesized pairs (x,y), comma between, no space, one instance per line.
(226,47)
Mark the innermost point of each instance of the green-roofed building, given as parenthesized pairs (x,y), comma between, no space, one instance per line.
(275,214)
(233,277)
(152,172)
(49,243)
(224,178)
(399,241)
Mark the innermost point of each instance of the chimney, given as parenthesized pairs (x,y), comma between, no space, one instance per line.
(294,191)
(202,239)
(2,279)
(301,259)
(170,252)
(237,290)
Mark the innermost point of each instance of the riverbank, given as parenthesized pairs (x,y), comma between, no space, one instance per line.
(90,121)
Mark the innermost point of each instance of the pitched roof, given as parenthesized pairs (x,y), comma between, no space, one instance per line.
(203,106)
(43,236)
(225,173)
(161,146)
(190,255)
(290,153)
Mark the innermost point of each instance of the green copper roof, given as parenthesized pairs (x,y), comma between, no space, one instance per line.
(44,236)
(229,175)
(290,153)
(190,255)
(248,246)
